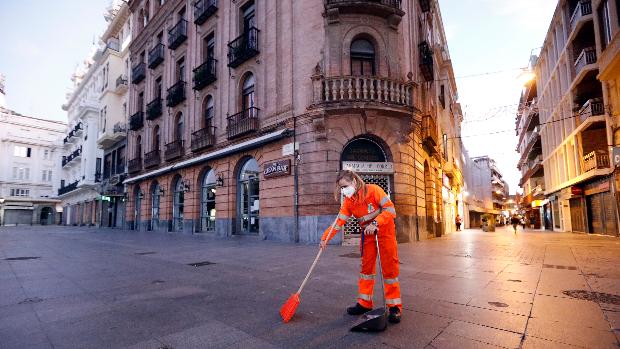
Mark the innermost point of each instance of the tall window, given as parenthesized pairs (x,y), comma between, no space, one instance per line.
(249,17)
(138,147)
(156,138)
(445,146)
(155,200)
(181,69)
(141,101)
(158,87)
(107,165)
(22,152)
(178,205)
(247,93)
(208,114)
(147,9)
(605,23)
(178,129)
(207,202)
(249,205)
(120,160)
(209,47)
(362,57)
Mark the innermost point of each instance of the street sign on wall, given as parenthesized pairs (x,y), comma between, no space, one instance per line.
(369,167)
(615,155)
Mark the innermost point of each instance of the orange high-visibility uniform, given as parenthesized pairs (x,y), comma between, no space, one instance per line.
(377,206)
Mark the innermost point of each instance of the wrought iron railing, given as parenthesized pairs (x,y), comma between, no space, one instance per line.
(173,150)
(156,56)
(203,138)
(583,9)
(426,61)
(243,48)
(177,34)
(154,109)
(138,73)
(176,94)
(205,73)
(203,9)
(152,158)
(242,123)
(136,121)
(68,188)
(134,165)
(598,159)
(586,57)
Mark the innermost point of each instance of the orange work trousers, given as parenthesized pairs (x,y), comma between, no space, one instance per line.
(389,263)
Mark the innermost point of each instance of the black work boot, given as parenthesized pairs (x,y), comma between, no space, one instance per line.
(394,316)
(357,309)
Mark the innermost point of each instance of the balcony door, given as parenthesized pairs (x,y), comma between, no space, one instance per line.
(248,204)
(247,99)
(362,58)
(178,205)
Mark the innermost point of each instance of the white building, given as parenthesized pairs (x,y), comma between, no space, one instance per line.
(29,174)
(81,158)
(112,74)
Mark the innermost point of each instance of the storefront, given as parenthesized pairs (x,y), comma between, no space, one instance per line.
(601,208)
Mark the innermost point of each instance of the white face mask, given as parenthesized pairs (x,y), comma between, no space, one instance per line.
(348,191)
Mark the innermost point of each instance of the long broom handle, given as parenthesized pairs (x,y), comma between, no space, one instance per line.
(316,259)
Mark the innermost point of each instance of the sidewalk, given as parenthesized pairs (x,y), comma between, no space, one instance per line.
(102,288)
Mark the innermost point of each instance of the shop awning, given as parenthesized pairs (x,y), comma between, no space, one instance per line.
(253,143)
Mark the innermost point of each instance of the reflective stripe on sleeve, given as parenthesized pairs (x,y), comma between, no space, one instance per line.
(391,281)
(390,209)
(367,276)
(365,297)
(384,201)
(343,217)
(394,301)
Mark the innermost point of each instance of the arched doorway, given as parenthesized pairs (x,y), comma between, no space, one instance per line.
(137,206)
(248,207)
(47,216)
(207,202)
(367,157)
(155,200)
(178,205)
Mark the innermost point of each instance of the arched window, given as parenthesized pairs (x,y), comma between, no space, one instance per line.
(208,112)
(178,127)
(155,200)
(207,202)
(178,204)
(248,203)
(146,13)
(139,147)
(156,138)
(247,93)
(362,57)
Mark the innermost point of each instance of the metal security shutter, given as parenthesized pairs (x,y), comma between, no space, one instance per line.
(595,214)
(12,217)
(609,214)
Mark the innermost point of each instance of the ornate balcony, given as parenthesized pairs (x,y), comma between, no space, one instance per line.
(173,150)
(426,61)
(111,136)
(77,153)
(156,56)
(68,188)
(177,35)
(347,89)
(382,8)
(585,58)
(203,9)
(243,48)
(593,107)
(242,123)
(204,74)
(152,158)
(176,94)
(121,84)
(154,109)
(138,73)
(598,159)
(430,136)
(583,9)
(203,138)
(136,121)
(134,165)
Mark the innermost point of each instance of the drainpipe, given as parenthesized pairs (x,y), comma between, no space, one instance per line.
(295,151)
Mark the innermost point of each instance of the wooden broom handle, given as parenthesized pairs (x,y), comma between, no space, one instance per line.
(316,259)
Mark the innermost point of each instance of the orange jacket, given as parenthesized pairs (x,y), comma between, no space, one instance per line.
(364,208)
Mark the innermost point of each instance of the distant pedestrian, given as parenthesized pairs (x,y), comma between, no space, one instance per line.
(515,222)
(457,221)
(523,223)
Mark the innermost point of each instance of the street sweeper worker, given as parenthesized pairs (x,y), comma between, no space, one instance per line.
(375,213)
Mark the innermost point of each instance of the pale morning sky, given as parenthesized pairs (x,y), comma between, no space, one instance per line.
(39,54)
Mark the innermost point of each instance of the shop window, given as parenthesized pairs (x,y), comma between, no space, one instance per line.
(248,198)
(207,202)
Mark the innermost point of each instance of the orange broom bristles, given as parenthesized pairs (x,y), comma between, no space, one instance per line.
(288,308)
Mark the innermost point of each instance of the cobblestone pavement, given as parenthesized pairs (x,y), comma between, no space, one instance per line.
(101,288)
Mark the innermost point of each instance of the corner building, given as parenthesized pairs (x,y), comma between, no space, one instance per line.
(243,112)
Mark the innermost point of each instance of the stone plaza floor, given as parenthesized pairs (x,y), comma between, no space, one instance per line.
(104,288)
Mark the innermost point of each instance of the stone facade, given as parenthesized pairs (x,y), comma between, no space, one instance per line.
(321,85)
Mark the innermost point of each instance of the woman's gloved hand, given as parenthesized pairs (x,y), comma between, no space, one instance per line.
(371,229)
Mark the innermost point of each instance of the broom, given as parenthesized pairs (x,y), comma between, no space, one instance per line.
(288,308)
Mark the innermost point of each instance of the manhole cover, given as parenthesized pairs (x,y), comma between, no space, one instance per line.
(20,258)
(145,253)
(351,255)
(513,280)
(498,304)
(200,264)
(31,300)
(598,297)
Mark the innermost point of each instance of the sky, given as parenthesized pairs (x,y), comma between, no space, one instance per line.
(43,42)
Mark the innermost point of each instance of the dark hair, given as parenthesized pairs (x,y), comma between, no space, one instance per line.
(349,176)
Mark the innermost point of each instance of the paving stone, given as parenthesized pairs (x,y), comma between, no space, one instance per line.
(574,333)
(484,334)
